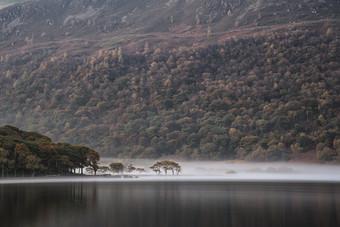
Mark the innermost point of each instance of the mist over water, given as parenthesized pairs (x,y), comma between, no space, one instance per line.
(233,170)
(206,171)
(204,194)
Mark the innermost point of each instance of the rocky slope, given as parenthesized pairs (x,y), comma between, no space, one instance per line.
(55,20)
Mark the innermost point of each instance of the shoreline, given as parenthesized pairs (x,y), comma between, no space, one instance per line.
(235,178)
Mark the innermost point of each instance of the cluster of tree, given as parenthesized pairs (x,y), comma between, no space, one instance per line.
(29,153)
(118,167)
(166,166)
(158,167)
(256,98)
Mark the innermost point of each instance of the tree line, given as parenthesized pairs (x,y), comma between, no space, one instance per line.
(31,154)
(158,167)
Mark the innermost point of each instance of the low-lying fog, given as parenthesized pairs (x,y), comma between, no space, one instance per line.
(244,170)
(208,171)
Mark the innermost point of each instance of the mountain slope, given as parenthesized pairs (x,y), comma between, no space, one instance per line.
(42,21)
(196,79)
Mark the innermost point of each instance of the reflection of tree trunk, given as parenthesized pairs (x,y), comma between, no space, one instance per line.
(81,171)
(22,172)
(15,172)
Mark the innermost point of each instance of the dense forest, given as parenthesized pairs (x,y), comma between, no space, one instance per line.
(30,153)
(260,98)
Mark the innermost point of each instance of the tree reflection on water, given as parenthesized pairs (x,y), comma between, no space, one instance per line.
(170,204)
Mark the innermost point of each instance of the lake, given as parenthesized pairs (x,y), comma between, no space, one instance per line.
(170,203)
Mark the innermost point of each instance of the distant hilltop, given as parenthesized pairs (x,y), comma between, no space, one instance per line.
(51,20)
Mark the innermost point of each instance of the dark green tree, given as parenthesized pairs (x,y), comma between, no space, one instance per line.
(117,167)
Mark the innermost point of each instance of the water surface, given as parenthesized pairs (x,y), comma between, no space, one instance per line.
(170,203)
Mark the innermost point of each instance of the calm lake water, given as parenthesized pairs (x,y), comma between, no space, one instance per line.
(170,204)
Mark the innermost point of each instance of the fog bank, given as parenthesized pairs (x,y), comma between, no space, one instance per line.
(238,170)
(206,171)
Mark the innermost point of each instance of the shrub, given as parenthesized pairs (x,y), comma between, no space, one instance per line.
(258,155)
(304,141)
(270,154)
(241,153)
(325,154)
(336,145)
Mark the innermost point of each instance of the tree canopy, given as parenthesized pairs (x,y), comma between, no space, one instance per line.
(117,167)
(30,153)
(166,165)
(277,92)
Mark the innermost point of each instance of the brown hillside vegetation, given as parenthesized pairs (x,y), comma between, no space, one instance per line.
(254,80)
(258,98)
(58,21)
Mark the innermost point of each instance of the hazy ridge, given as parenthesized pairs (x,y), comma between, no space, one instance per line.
(6,3)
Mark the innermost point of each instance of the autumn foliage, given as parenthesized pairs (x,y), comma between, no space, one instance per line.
(30,153)
(274,95)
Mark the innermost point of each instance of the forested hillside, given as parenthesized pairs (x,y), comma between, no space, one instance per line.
(30,153)
(259,97)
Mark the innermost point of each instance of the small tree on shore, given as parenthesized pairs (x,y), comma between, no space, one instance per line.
(166,166)
(117,167)
(103,169)
(156,168)
(178,169)
(141,170)
(130,168)
(4,160)
(92,160)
